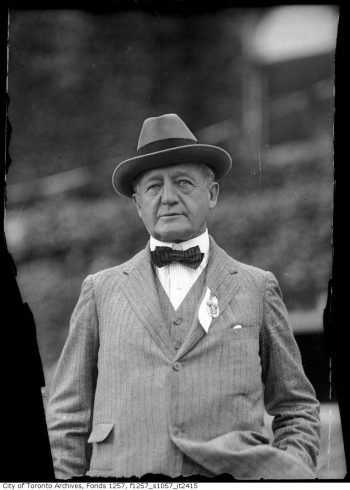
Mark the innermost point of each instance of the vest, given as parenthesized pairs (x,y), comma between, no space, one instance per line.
(178,323)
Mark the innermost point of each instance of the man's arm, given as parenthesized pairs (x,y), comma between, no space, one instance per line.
(289,396)
(70,406)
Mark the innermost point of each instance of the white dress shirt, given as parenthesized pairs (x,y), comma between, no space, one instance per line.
(177,279)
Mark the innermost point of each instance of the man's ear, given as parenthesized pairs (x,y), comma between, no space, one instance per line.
(136,199)
(213,190)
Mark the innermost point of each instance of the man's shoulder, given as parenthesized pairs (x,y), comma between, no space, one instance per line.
(117,271)
(250,269)
(242,268)
(251,274)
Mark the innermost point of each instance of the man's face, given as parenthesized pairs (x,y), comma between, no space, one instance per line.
(174,201)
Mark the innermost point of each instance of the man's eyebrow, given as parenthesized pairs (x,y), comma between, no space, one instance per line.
(154,175)
(151,176)
(183,174)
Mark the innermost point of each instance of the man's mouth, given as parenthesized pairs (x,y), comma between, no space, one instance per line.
(168,215)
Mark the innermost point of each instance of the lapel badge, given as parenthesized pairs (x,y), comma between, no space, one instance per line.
(213,305)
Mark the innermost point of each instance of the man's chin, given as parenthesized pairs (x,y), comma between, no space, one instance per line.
(173,235)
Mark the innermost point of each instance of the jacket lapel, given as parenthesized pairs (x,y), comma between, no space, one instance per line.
(222,278)
(140,291)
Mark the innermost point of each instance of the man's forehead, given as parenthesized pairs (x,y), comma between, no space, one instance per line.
(173,170)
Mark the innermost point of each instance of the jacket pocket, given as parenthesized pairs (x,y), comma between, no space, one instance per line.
(243,332)
(102,441)
(242,346)
(100,432)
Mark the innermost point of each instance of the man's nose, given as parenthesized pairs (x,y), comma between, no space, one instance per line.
(169,195)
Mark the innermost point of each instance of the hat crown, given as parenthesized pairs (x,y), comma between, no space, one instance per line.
(167,126)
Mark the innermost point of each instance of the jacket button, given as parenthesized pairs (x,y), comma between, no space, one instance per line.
(176,432)
(177,366)
(177,345)
(177,321)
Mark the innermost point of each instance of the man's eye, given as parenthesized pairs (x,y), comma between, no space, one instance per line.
(183,182)
(153,187)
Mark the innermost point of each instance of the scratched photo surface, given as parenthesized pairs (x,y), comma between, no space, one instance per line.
(258,82)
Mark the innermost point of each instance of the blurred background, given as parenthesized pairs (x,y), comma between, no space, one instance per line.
(258,82)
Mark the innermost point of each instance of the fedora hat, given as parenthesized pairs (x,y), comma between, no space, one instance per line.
(166,140)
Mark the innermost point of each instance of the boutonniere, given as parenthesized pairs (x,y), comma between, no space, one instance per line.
(209,309)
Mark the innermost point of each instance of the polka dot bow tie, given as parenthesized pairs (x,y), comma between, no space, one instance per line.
(191,257)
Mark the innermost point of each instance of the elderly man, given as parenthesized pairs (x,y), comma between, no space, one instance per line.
(173,357)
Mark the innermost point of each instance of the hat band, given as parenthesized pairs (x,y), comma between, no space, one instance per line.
(165,144)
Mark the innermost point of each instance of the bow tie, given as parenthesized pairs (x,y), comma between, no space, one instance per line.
(191,257)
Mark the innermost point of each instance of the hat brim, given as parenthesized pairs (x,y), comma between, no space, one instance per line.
(216,158)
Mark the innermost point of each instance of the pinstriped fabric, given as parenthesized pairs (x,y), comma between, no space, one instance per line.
(153,403)
(74,419)
(178,321)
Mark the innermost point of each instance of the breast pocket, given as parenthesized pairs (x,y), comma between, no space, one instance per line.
(102,440)
(242,357)
(243,346)
(238,332)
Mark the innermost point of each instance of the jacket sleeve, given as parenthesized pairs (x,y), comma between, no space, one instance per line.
(289,396)
(70,406)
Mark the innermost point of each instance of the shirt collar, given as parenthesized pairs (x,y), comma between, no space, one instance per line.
(202,241)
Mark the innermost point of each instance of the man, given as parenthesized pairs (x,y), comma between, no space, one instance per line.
(173,356)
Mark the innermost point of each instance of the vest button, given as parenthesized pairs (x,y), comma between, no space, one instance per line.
(177,345)
(177,321)
(177,366)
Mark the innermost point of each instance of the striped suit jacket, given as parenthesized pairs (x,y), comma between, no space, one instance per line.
(125,402)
